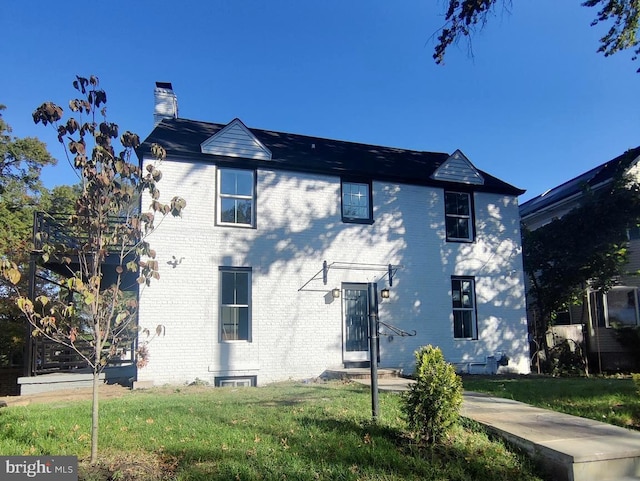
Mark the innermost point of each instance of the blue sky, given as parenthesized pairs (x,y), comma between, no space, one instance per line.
(535,105)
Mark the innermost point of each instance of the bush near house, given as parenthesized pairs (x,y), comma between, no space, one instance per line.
(432,405)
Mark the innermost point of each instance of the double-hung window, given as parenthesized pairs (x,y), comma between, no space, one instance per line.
(235,303)
(464,308)
(458,216)
(236,197)
(356,202)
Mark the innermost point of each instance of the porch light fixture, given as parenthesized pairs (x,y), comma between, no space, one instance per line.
(384,293)
(335,293)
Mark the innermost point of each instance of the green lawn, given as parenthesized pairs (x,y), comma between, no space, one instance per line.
(290,431)
(611,400)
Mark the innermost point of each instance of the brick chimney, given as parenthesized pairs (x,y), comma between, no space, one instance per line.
(166,103)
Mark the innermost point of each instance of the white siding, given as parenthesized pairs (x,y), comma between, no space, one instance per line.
(298,334)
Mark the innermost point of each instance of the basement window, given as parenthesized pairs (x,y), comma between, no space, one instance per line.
(235,381)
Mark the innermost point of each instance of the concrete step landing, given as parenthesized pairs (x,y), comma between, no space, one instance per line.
(355,373)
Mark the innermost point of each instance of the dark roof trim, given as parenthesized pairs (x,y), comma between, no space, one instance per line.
(182,140)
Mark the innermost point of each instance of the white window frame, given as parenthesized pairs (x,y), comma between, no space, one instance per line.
(469,308)
(346,194)
(604,299)
(236,196)
(235,381)
(234,305)
(456,216)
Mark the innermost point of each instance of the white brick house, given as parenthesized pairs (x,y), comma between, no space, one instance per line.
(242,293)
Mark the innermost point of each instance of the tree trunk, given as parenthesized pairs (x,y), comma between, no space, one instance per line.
(94,416)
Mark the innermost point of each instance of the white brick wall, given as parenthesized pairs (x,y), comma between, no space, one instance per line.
(298,334)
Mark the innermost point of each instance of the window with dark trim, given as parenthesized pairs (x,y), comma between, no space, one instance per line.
(235,303)
(356,202)
(458,211)
(236,197)
(463,298)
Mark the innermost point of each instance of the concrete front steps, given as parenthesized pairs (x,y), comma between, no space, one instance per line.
(389,379)
(358,373)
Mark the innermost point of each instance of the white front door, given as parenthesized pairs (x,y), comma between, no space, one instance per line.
(355,337)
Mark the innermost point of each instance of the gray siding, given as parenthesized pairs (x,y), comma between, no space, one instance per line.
(235,141)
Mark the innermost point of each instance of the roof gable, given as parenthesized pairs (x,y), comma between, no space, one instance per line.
(457,168)
(235,140)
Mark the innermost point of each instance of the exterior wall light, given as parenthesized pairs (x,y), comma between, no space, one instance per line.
(384,293)
(335,293)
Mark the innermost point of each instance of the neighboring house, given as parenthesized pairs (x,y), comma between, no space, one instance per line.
(266,275)
(594,320)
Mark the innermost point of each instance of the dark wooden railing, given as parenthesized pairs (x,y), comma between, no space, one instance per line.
(49,356)
(43,355)
(53,228)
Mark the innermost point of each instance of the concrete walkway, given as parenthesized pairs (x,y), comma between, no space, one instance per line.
(569,448)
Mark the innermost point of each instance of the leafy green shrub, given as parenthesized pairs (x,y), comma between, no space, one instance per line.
(432,404)
(198,382)
(629,337)
(636,381)
(565,359)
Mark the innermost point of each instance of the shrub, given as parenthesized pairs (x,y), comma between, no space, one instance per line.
(636,382)
(432,404)
(565,359)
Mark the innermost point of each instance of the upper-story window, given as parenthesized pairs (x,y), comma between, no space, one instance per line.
(458,212)
(356,202)
(236,197)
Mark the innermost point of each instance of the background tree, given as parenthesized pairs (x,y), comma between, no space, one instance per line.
(464,17)
(587,247)
(21,160)
(102,244)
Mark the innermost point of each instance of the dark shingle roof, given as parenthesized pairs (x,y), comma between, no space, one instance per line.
(300,153)
(596,176)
